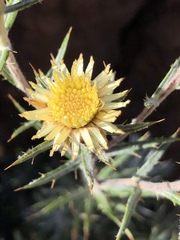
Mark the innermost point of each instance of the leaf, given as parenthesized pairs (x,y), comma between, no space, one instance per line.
(10,16)
(51,176)
(172,196)
(123,151)
(129,128)
(60,201)
(20,5)
(23,128)
(154,158)
(87,166)
(61,51)
(130,208)
(105,206)
(16,104)
(42,147)
(3,57)
(173,70)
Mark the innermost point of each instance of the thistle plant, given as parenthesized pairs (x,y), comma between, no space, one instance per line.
(74,115)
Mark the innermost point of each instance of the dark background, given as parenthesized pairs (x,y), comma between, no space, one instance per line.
(141,39)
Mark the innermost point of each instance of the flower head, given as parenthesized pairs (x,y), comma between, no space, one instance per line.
(75,109)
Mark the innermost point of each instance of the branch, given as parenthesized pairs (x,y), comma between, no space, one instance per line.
(143,185)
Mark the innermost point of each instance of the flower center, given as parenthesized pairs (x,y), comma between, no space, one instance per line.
(73,101)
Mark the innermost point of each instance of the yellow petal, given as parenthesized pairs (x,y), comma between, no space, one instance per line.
(115,105)
(46,128)
(108,126)
(39,89)
(54,149)
(54,132)
(77,67)
(103,77)
(75,139)
(109,88)
(87,138)
(63,69)
(62,135)
(97,136)
(89,69)
(112,97)
(39,114)
(35,103)
(108,116)
(65,147)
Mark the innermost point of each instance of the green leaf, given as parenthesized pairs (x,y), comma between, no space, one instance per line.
(23,128)
(53,175)
(62,50)
(20,5)
(10,16)
(130,208)
(16,104)
(172,196)
(105,206)
(129,128)
(3,57)
(154,158)
(168,77)
(32,153)
(60,201)
(87,166)
(123,151)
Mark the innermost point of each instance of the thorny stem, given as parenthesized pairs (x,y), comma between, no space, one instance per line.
(16,73)
(9,58)
(143,185)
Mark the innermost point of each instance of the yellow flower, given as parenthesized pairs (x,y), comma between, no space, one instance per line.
(75,109)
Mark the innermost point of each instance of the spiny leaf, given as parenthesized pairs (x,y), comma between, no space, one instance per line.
(50,176)
(106,208)
(42,147)
(168,77)
(154,158)
(172,196)
(23,128)
(61,201)
(129,128)
(3,57)
(87,166)
(125,150)
(62,50)
(10,16)
(16,104)
(130,208)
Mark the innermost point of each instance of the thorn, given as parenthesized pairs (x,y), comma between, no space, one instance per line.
(10,138)
(32,162)
(42,174)
(91,188)
(18,189)
(52,184)
(76,175)
(137,155)
(13,164)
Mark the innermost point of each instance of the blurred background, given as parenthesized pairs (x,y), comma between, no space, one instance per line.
(141,39)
